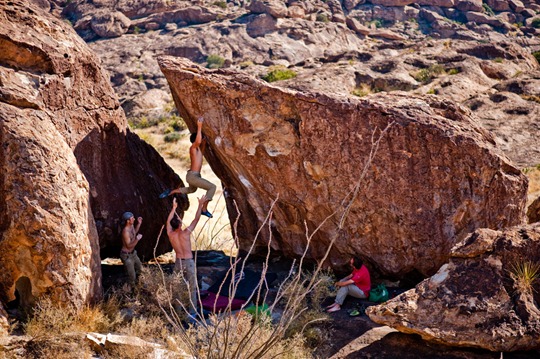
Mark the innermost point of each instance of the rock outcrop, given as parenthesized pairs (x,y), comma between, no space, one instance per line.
(49,239)
(69,165)
(533,211)
(480,298)
(435,176)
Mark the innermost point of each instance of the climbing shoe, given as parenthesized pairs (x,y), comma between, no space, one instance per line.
(165,193)
(207,214)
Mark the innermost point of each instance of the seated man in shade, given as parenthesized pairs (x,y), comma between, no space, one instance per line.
(356,284)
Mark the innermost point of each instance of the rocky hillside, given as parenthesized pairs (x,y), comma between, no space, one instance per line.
(475,52)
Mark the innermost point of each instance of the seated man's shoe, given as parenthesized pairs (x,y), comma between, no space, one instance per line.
(207,214)
(165,193)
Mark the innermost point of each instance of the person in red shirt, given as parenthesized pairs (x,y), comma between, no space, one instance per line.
(356,284)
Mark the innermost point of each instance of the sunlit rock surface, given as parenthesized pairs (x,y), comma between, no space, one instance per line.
(435,175)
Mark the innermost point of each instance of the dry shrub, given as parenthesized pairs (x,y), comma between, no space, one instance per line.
(160,290)
(152,327)
(127,352)
(318,286)
(245,338)
(57,348)
(53,319)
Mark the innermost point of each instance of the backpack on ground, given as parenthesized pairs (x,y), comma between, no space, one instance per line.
(378,294)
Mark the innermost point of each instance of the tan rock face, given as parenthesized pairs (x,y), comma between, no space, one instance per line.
(48,231)
(479,293)
(434,178)
(4,323)
(69,166)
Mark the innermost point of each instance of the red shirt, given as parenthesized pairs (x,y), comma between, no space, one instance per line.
(362,279)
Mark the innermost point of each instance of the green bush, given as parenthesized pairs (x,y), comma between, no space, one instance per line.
(322,17)
(214,61)
(536,23)
(171,137)
(453,71)
(377,23)
(142,122)
(488,10)
(426,75)
(536,55)
(177,123)
(221,4)
(278,74)
(362,90)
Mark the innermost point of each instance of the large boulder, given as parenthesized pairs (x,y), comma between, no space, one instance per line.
(480,298)
(400,203)
(110,24)
(69,165)
(276,8)
(49,238)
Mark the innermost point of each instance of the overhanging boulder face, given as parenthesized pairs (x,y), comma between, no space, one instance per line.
(435,176)
(69,167)
(479,299)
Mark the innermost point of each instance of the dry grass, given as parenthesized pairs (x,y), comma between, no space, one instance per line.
(57,331)
(244,335)
(51,319)
(153,327)
(362,90)
(57,348)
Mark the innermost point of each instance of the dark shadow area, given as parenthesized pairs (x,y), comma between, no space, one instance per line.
(127,174)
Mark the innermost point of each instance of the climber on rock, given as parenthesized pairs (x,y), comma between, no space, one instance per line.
(193,176)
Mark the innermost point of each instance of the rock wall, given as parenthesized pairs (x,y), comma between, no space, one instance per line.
(69,165)
(435,177)
(477,299)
